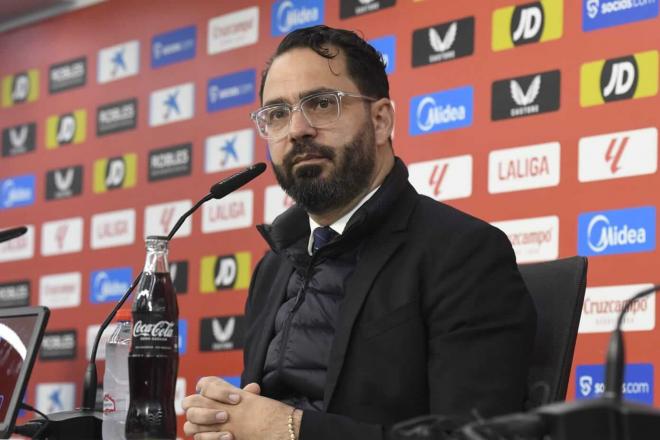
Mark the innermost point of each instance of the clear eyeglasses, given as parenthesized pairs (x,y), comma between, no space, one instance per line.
(319,109)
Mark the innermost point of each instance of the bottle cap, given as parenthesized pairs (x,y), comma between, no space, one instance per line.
(123,314)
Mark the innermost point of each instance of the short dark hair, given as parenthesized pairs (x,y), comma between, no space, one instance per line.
(364,63)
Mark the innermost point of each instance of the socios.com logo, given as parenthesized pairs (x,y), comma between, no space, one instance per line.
(617,231)
(17,191)
(109,284)
(289,15)
(598,14)
(441,111)
(637,382)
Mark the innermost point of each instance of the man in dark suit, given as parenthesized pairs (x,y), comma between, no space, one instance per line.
(375,304)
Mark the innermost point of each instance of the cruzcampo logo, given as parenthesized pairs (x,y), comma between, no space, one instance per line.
(115,173)
(65,129)
(533,22)
(629,77)
(20,87)
(226,272)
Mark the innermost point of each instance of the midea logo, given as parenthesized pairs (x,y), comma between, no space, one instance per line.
(430,114)
(612,235)
(288,16)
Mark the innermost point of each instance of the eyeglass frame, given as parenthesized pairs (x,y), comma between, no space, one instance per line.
(339,94)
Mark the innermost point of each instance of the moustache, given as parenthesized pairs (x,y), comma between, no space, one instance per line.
(305,149)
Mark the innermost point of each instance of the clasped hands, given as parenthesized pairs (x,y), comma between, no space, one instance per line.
(220,411)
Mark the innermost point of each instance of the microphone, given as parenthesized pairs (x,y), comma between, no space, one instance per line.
(217,191)
(10,234)
(616,350)
(221,189)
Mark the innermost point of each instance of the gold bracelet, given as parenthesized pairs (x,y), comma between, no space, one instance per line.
(292,432)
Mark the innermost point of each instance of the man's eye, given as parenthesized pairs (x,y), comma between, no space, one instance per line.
(276,115)
(320,103)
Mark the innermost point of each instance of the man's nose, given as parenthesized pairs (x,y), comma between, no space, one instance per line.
(299,127)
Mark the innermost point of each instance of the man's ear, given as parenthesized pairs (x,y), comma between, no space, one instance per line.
(382,116)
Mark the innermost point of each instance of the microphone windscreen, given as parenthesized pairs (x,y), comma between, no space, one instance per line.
(10,234)
(232,183)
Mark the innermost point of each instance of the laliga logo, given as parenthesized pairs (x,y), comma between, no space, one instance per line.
(613,235)
(592,8)
(288,16)
(586,385)
(430,114)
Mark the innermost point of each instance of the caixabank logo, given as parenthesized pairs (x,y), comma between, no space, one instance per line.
(615,79)
(619,231)
(225,272)
(637,386)
(66,129)
(222,333)
(534,22)
(19,139)
(441,111)
(289,15)
(526,95)
(20,88)
(115,172)
(443,42)
(351,8)
(598,14)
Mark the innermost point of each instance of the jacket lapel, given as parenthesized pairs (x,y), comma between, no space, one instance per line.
(374,256)
(265,323)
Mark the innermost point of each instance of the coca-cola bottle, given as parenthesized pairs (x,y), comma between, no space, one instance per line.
(154,357)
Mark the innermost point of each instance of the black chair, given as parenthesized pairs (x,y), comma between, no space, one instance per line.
(557,289)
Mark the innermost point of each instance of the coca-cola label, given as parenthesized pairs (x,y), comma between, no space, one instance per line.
(154,338)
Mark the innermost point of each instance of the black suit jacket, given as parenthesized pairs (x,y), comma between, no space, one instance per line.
(436,320)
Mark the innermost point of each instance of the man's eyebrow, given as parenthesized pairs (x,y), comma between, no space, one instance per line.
(301,95)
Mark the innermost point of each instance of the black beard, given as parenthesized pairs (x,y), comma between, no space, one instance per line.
(354,168)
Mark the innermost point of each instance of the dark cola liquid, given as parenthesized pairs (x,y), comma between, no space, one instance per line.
(153,360)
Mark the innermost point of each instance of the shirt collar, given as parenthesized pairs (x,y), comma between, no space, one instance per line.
(340,224)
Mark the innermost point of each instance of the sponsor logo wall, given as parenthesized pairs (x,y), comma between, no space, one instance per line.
(539,117)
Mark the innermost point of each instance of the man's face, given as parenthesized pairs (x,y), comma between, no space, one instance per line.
(320,168)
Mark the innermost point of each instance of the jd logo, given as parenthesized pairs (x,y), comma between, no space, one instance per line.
(66,129)
(64,178)
(20,88)
(226,269)
(619,78)
(443,44)
(527,24)
(223,334)
(115,172)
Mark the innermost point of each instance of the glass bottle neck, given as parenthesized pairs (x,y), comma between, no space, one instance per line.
(156,260)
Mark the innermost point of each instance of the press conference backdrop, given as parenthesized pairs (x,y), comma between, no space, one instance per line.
(540,117)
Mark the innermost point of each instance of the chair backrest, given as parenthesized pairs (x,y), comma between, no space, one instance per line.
(557,289)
